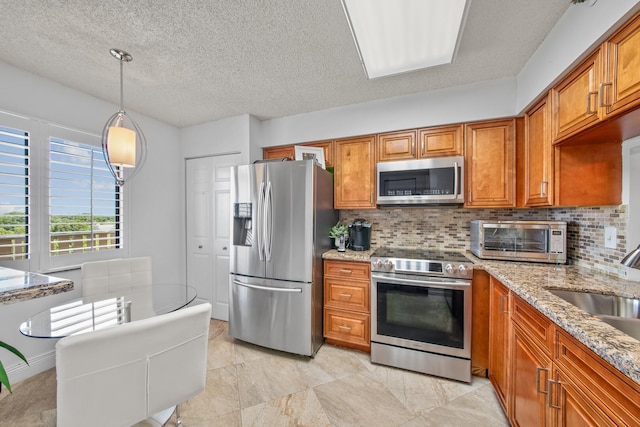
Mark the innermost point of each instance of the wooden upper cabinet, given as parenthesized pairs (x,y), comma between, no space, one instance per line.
(289,152)
(588,174)
(354,173)
(490,163)
(575,99)
(538,156)
(327,147)
(284,151)
(397,146)
(441,141)
(620,90)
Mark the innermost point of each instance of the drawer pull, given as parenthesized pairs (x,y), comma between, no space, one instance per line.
(348,328)
(345,295)
(342,270)
(538,369)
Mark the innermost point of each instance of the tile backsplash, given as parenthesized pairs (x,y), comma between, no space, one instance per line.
(448,228)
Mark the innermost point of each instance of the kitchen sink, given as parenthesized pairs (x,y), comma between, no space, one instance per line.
(620,312)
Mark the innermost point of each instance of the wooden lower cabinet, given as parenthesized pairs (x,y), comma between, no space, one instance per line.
(545,377)
(570,406)
(530,370)
(499,325)
(480,288)
(346,304)
(604,386)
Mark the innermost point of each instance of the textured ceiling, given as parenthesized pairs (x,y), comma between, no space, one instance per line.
(195,61)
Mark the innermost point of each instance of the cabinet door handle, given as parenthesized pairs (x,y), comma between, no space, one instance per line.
(589,112)
(348,328)
(550,403)
(413,148)
(345,295)
(543,188)
(538,369)
(601,94)
(342,270)
(502,299)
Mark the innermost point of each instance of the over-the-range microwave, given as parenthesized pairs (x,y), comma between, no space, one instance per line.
(538,241)
(436,181)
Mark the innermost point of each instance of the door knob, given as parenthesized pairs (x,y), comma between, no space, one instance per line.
(224,248)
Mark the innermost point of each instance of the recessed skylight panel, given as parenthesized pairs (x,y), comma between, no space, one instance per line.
(397,36)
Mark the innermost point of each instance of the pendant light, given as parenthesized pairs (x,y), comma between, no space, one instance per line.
(123,144)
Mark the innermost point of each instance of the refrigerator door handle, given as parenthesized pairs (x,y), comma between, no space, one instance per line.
(268,220)
(266,288)
(260,222)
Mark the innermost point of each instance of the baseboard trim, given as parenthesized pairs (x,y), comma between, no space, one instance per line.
(21,371)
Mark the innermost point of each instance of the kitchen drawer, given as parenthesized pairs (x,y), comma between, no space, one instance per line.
(347,327)
(347,270)
(346,294)
(539,328)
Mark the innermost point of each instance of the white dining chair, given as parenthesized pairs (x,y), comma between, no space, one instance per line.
(125,374)
(115,276)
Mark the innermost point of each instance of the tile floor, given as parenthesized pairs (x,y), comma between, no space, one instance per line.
(252,386)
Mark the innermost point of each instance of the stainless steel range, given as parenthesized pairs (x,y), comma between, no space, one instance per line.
(421,311)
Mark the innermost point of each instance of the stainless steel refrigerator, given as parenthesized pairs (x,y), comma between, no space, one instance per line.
(280,220)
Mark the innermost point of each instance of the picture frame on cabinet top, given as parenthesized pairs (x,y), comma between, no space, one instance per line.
(310,153)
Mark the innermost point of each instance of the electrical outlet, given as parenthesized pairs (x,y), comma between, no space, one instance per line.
(610,237)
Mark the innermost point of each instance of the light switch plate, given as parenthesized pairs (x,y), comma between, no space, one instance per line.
(610,237)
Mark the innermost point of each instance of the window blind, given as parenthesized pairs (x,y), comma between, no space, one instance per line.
(84,201)
(14,194)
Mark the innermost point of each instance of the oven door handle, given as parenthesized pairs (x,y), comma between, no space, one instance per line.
(453,284)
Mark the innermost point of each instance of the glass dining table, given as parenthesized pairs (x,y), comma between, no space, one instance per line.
(86,315)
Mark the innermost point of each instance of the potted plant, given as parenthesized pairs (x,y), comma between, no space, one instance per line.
(4,379)
(337,231)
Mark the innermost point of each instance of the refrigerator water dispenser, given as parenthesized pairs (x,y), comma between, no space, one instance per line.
(242,231)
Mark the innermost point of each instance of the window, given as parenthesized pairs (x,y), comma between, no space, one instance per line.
(84,201)
(59,204)
(14,194)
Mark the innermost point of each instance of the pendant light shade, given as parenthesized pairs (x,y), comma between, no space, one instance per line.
(123,144)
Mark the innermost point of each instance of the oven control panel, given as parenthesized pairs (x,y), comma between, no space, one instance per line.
(463,270)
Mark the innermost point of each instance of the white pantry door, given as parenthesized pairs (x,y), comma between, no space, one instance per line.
(208,234)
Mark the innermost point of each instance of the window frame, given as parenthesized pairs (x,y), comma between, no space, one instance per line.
(24,124)
(50,262)
(40,259)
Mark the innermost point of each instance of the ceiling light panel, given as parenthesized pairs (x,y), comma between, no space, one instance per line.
(397,36)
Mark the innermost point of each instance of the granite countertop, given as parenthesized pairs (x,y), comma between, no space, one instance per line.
(349,255)
(531,282)
(16,285)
